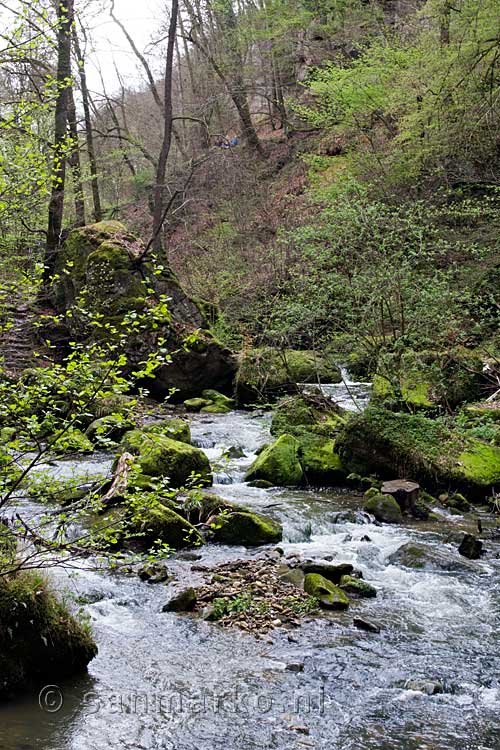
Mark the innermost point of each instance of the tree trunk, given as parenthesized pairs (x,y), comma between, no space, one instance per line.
(56,205)
(159,192)
(89,137)
(74,161)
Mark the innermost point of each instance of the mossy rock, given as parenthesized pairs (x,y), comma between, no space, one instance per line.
(327,593)
(196,404)
(161,523)
(413,392)
(174,428)
(72,441)
(395,444)
(247,528)
(320,461)
(358,587)
(160,456)
(385,509)
(279,463)
(41,641)
(218,398)
(111,428)
(267,372)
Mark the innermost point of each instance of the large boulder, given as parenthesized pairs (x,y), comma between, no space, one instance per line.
(314,423)
(265,373)
(279,463)
(161,456)
(247,528)
(385,509)
(104,265)
(393,444)
(40,640)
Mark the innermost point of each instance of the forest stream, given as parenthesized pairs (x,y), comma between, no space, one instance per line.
(428,680)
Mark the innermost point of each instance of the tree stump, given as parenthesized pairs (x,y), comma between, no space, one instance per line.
(404,492)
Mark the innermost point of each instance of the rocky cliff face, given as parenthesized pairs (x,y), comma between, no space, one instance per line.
(101,270)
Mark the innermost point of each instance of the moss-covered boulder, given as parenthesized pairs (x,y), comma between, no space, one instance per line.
(358,587)
(327,593)
(314,422)
(40,641)
(430,451)
(265,373)
(385,509)
(196,404)
(160,456)
(108,429)
(247,528)
(174,428)
(71,441)
(162,523)
(279,463)
(107,265)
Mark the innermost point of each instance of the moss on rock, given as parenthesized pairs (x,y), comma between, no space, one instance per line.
(174,428)
(279,463)
(247,528)
(160,456)
(327,593)
(385,509)
(40,639)
(72,441)
(393,444)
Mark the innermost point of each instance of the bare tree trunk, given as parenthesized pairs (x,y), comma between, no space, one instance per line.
(74,161)
(89,137)
(159,192)
(56,204)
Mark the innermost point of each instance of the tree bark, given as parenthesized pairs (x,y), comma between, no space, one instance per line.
(74,161)
(159,192)
(89,137)
(56,204)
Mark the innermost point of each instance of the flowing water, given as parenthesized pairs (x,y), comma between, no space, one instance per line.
(163,681)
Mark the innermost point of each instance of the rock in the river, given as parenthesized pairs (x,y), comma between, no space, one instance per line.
(161,523)
(174,428)
(160,456)
(424,557)
(184,601)
(471,547)
(358,587)
(247,528)
(218,403)
(154,573)
(108,429)
(108,266)
(279,463)
(332,572)
(72,441)
(362,624)
(196,404)
(384,508)
(328,595)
